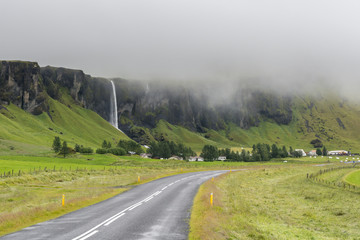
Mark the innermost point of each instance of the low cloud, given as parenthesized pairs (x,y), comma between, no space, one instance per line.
(284,45)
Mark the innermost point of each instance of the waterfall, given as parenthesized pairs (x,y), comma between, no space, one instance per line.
(147,89)
(113,107)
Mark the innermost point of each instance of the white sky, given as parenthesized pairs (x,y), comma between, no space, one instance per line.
(282,41)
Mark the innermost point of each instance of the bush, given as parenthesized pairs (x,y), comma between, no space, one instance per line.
(101,151)
(130,146)
(86,150)
(117,151)
(77,148)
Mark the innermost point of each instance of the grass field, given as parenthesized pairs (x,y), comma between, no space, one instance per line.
(276,202)
(24,133)
(32,189)
(35,194)
(353,178)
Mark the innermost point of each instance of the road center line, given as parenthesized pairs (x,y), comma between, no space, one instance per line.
(89,235)
(148,199)
(135,206)
(110,220)
(108,223)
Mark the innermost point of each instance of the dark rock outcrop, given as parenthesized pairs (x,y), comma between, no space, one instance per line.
(21,84)
(139,103)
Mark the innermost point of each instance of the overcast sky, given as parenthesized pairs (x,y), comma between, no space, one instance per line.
(294,41)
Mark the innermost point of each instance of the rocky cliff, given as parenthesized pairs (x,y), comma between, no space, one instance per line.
(21,84)
(139,103)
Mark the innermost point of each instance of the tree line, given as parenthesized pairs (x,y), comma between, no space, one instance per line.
(260,152)
(123,147)
(166,149)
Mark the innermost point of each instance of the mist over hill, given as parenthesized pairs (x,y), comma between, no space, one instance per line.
(148,109)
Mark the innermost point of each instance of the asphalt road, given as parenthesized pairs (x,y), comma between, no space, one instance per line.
(156,210)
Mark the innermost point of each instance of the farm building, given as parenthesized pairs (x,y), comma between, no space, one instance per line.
(145,155)
(176,158)
(303,153)
(196,159)
(312,153)
(338,152)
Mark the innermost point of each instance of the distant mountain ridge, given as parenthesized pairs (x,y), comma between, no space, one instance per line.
(142,106)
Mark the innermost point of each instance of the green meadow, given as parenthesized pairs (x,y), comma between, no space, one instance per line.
(22,133)
(278,202)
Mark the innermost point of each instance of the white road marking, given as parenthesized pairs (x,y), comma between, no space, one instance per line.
(108,223)
(110,220)
(148,199)
(157,193)
(104,222)
(89,235)
(135,206)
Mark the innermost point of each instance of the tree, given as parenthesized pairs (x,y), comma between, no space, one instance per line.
(77,148)
(105,144)
(56,144)
(318,152)
(284,153)
(324,151)
(297,154)
(291,151)
(64,149)
(256,157)
(274,151)
(131,146)
(210,153)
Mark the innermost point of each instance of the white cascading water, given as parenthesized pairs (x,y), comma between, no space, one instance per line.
(113,108)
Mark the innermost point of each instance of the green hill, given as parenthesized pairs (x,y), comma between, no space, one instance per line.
(37,104)
(24,133)
(333,121)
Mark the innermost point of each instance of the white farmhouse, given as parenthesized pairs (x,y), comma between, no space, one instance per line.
(338,152)
(196,159)
(303,153)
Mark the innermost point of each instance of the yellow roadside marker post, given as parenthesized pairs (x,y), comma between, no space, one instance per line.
(63,200)
(138,178)
(212,179)
(211,199)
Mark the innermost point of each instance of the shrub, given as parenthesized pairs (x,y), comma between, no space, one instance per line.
(117,151)
(101,151)
(86,150)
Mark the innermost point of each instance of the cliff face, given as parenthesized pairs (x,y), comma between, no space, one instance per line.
(145,104)
(139,104)
(21,84)
(91,93)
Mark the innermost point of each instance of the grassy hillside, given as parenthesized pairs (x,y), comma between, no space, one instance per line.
(194,140)
(24,133)
(328,118)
